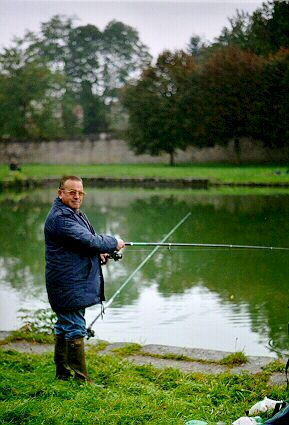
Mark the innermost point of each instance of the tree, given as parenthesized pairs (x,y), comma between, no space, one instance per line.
(94,110)
(158,115)
(72,114)
(93,64)
(197,48)
(82,62)
(262,33)
(279,25)
(51,44)
(123,54)
(238,32)
(269,28)
(230,83)
(82,67)
(271,115)
(96,64)
(29,94)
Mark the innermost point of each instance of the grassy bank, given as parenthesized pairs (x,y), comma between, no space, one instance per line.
(216,173)
(132,394)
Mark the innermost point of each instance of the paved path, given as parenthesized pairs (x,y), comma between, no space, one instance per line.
(196,360)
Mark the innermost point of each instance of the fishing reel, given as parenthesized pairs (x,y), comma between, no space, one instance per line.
(116,256)
(90,333)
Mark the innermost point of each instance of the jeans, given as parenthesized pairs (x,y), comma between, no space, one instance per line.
(71,324)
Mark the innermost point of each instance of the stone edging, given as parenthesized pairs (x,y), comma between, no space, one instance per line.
(202,361)
(145,182)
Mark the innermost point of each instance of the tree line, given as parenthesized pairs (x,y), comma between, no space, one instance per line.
(212,94)
(68,81)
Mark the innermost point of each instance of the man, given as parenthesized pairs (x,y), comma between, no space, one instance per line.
(74,280)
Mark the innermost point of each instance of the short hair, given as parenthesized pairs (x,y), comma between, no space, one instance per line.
(65,178)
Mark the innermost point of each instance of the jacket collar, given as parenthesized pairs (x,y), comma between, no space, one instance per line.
(59,204)
(81,218)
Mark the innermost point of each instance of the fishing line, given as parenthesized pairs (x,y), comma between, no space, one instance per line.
(90,332)
(279,352)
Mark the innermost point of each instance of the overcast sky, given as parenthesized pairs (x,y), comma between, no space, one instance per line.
(161,24)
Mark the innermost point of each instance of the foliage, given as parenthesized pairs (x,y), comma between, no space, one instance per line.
(124,55)
(41,320)
(94,110)
(160,115)
(96,63)
(128,349)
(26,334)
(265,32)
(60,82)
(275,366)
(37,328)
(197,48)
(272,106)
(235,359)
(229,84)
(237,34)
(29,95)
(238,89)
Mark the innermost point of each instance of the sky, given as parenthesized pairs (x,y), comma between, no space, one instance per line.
(161,24)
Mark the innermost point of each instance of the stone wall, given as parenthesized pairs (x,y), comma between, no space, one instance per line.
(109,150)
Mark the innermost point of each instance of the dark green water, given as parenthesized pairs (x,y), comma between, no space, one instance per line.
(209,298)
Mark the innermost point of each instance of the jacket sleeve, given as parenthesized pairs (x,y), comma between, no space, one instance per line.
(69,232)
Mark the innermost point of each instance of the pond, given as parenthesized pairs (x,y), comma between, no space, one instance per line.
(223,299)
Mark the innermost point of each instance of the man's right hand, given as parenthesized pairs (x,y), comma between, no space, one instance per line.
(120,244)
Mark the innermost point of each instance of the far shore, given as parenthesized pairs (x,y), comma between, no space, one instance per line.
(144,182)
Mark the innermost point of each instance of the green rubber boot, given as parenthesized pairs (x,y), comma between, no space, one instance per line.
(76,358)
(60,358)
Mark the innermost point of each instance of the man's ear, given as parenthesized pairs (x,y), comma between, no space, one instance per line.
(59,193)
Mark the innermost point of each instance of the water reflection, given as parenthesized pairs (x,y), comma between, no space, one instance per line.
(210,298)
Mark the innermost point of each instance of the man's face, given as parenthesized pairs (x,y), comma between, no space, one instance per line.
(72,194)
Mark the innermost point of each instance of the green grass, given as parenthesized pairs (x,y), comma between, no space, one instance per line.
(29,393)
(32,337)
(218,173)
(235,359)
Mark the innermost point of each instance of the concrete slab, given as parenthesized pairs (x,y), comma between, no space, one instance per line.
(194,353)
(28,347)
(4,334)
(277,379)
(254,365)
(184,366)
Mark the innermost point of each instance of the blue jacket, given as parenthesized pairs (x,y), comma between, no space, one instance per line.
(74,277)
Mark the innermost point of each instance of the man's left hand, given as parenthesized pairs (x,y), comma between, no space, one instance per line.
(104,259)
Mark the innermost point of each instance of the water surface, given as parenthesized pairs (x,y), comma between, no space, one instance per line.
(195,297)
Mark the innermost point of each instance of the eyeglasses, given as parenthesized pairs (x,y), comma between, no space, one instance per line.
(73,192)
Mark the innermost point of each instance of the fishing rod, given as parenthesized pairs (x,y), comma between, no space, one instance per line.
(90,331)
(116,256)
(205,245)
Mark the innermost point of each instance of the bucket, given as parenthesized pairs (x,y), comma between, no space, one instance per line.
(195,422)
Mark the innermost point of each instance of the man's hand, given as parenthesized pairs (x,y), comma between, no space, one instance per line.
(120,244)
(104,259)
